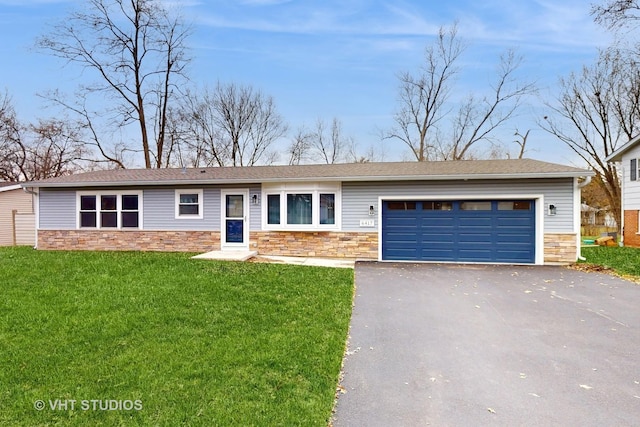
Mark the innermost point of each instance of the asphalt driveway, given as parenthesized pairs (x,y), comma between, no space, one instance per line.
(449,345)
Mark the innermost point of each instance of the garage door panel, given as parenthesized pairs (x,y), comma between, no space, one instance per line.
(473,221)
(468,231)
(474,239)
(439,254)
(516,238)
(438,239)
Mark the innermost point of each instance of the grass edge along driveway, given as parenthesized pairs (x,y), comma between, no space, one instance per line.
(132,338)
(624,261)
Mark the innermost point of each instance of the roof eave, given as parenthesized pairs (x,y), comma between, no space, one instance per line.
(10,187)
(616,156)
(184,182)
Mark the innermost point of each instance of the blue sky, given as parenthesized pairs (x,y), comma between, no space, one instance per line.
(326,59)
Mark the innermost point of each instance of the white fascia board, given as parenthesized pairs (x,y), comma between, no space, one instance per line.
(175,183)
(616,156)
(10,187)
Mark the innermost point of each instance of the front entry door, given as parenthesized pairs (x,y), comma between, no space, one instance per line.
(235,214)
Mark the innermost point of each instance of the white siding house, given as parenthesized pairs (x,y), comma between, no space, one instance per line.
(627,159)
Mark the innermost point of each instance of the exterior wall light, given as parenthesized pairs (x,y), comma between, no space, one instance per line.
(552,209)
(254,200)
(371,211)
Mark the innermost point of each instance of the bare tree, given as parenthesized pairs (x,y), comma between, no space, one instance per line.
(11,154)
(136,50)
(522,142)
(232,126)
(29,152)
(596,111)
(330,144)
(322,144)
(425,122)
(423,95)
(299,148)
(617,13)
(476,120)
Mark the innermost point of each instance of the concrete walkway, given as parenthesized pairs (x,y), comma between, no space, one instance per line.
(248,255)
(227,255)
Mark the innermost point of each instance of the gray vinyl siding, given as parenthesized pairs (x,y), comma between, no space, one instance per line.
(255,211)
(57,209)
(159,209)
(357,197)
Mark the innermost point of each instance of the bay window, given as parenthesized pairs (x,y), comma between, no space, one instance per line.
(301,206)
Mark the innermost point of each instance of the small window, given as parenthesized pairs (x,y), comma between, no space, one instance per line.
(273,209)
(633,169)
(188,204)
(108,211)
(327,208)
(518,205)
(437,206)
(401,206)
(129,212)
(299,208)
(475,206)
(88,212)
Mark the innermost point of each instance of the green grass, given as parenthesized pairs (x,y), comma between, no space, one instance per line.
(195,342)
(622,260)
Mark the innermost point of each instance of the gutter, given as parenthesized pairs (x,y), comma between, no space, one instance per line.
(259,180)
(36,210)
(587,180)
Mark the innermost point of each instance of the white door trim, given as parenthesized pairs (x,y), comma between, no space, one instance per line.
(244,245)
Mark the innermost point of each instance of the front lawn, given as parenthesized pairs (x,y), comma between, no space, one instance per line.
(103,338)
(622,260)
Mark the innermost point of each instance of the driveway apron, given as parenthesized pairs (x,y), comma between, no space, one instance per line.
(456,345)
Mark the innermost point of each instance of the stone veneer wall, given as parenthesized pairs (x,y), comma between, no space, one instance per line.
(560,247)
(316,244)
(141,240)
(631,237)
(319,244)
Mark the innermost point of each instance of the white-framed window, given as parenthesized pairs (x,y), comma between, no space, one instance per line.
(301,206)
(189,204)
(109,209)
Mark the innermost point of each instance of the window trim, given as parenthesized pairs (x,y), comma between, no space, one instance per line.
(315,189)
(119,210)
(200,193)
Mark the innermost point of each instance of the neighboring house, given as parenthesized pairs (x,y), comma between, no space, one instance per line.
(628,159)
(595,216)
(494,211)
(17,218)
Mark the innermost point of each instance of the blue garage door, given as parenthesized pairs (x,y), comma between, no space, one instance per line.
(459,231)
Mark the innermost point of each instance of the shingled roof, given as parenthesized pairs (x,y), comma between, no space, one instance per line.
(396,171)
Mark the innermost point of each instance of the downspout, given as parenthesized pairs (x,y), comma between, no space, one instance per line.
(34,208)
(582,184)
